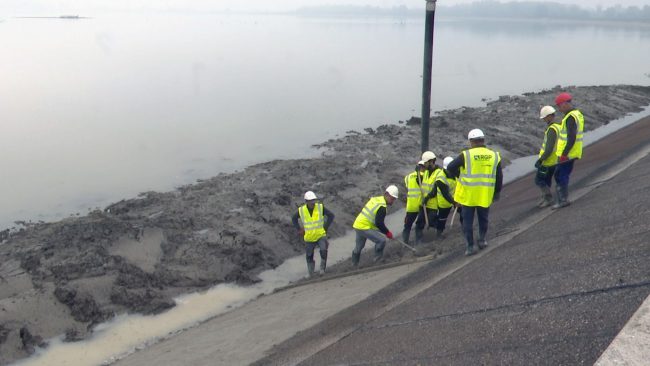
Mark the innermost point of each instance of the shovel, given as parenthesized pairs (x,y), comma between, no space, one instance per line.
(404,244)
(453,216)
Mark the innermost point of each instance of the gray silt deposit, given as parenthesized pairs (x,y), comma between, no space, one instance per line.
(137,254)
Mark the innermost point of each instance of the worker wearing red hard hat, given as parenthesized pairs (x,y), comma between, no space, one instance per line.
(569,146)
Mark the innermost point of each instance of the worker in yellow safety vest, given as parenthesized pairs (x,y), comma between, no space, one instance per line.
(569,146)
(547,160)
(369,224)
(445,185)
(478,183)
(315,219)
(413,184)
(430,202)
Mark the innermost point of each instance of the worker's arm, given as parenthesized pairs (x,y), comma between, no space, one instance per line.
(499,179)
(551,139)
(444,190)
(572,131)
(379,220)
(294,220)
(329,217)
(455,165)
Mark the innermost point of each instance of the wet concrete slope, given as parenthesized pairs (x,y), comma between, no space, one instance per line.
(553,288)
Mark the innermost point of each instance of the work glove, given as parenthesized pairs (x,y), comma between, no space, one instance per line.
(389,235)
(563,159)
(538,163)
(301,232)
(496,197)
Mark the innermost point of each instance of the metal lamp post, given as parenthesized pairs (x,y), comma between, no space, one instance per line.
(426,74)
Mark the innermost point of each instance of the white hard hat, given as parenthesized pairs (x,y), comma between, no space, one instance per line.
(446,161)
(428,155)
(309,195)
(392,190)
(475,134)
(546,110)
(421,162)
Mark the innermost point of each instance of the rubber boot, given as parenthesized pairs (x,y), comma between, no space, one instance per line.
(323,261)
(562,197)
(379,255)
(406,235)
(355,259)
(310,268)
(418,236)
(470,250)
(547,197)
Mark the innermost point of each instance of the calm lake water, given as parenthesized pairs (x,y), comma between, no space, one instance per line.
(96,110)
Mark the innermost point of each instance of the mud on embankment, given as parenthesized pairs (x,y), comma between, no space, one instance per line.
(134,256)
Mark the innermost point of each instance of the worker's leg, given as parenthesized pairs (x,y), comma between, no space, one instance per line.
(360,242)
(380,242)
(482,213)
(419,226)
(563,172)
(309,252)
(467,213)
(433,217)
(443,214)
(323,244)
(408,223)
(543,180)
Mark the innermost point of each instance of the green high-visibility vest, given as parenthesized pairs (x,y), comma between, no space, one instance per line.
(552,159)
(576,150)
(428,183)
(478,176)
(314,223)
(414,192)
(366,219)
(449,182)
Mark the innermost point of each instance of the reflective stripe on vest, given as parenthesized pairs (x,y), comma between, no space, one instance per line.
(576,150)
(552,159)
(414,192)
(366,219)
(313,224)
(477,180)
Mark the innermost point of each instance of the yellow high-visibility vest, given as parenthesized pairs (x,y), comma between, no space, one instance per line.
(366,219)
(576,150)
(449,182)
(428,183)
(552,159)
(314,223)
(478,175)
(414,192)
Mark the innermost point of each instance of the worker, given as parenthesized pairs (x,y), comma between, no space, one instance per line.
(369,224)
(547,160)
(479,180)
(315,219)
(445,185)
(413,184)
(569,146)
(428,184)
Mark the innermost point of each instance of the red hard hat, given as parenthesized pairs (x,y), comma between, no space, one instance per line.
(562,98)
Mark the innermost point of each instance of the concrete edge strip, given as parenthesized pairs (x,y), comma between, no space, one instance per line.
(596,181)
(632,344)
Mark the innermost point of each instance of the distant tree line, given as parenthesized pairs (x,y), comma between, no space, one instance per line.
(492,9)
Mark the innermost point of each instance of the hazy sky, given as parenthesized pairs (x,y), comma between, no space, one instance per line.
(18,7)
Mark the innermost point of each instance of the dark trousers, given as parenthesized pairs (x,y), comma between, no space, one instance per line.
(411,218)
(443,213)
(467,214)
(544,176)
(562,173)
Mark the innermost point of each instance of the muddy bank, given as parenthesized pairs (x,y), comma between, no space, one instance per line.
(67,276)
